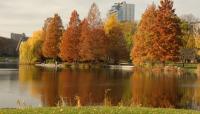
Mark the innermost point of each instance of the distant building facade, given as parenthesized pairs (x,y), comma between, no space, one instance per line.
(18,37)
(196,28)
(8,47)
(123,11)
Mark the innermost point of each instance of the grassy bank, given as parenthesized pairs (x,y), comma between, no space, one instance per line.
(188,66)
(97,110)
(8,59)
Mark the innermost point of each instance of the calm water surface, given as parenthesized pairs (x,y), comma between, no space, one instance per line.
(36,86)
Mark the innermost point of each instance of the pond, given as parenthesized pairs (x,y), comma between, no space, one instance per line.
(37,87)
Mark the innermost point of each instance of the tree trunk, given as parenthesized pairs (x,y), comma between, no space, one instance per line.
(163,63)
(183,63)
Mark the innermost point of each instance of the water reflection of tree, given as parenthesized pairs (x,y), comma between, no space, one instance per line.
(51,86)
(148,88)
(49,94)
(155,89)
(196,97)
(30,78)
(41,83)
(90,86)
(165,89)
(186,82)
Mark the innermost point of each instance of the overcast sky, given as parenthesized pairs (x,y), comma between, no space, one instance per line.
(26,16)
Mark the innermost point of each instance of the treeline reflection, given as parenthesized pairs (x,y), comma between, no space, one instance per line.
(90,86)
(142,87)
(165,89)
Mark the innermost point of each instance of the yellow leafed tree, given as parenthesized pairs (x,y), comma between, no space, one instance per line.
(30,50)
(110,23)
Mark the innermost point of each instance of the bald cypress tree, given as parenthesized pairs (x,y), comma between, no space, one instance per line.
(97,34)
(69,47)
(143,39)
(167,43)
(53,33)
(86,42)
(94,17)
(158,38)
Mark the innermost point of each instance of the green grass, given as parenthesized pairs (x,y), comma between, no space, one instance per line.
(188,66)
(97,110)
(2,59)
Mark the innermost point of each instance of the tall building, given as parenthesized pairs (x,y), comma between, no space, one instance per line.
(18,37)
(123,11)
(196,28)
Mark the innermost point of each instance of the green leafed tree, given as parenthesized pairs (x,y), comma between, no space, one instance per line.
(117,49)
(117,45)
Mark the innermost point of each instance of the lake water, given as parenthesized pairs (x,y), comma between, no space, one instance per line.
(35,86)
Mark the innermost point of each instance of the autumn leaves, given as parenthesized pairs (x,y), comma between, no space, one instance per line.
(158,38)
(82,41)
(86,40)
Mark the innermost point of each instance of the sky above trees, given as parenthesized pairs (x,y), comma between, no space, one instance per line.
(28,15)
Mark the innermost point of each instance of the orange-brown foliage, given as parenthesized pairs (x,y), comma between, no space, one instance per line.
(69,47)
(52,37)
(167,43)
(159,35)
(85,42)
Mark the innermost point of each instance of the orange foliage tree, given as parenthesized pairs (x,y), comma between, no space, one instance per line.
(69,47)
(85,44)
(167,43)
(53,33)
(99,44)
(98,37)
(141,52)
(158,38)
(44,28)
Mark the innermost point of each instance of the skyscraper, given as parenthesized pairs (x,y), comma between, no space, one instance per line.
(123,11)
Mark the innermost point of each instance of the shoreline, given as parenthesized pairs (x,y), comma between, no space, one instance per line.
(8,63)
(114,67)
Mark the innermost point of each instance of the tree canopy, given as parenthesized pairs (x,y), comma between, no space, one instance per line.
(69,47)
(52,37)
(159,34)
(30,50)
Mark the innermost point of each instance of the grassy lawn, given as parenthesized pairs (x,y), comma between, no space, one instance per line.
(97,110)
(2,59)
(188,66)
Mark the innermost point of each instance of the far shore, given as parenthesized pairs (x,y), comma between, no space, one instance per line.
(9,63)
(120,67)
